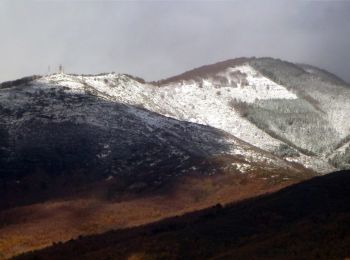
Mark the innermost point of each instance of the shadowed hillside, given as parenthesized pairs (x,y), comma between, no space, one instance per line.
(310,220)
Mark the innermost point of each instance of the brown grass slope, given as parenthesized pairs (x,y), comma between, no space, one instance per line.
(104,205)
(309,220)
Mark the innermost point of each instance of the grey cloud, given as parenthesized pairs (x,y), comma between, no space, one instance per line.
(156,39)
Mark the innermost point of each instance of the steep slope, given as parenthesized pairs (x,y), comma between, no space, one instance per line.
(271,104)
(341,157)
(75,153)
(324,91)
(68,126)
(277,106)
(309,220)
(297,120)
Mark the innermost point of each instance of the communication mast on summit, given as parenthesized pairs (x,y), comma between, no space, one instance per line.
(60,69)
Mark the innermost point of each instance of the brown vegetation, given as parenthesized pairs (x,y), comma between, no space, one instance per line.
(92,212)
(309,220)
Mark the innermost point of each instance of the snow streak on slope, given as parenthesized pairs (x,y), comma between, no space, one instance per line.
(257,86)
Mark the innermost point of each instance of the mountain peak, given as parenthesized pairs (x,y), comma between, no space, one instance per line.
(204,71)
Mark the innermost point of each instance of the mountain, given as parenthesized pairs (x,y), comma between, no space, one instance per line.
(96,127)
(285,106)
(99,152)
(297,112)
(309,220)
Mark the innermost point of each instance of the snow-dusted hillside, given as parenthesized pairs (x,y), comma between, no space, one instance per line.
(276,106)
(206,102)
(81,125)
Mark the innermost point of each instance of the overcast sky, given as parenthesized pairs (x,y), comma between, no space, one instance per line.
(157,39)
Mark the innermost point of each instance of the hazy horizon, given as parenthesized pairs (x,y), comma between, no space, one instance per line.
(158,39)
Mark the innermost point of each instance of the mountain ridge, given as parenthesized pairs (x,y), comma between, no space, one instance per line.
(250,81)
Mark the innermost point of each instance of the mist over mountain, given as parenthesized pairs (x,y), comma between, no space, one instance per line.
(172,36)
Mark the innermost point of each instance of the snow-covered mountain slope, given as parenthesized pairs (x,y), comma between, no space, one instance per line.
(326,92)
(63,123)
(243,97)
(276,106)
(207,102)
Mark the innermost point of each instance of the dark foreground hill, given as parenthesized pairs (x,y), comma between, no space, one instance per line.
(309,220)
